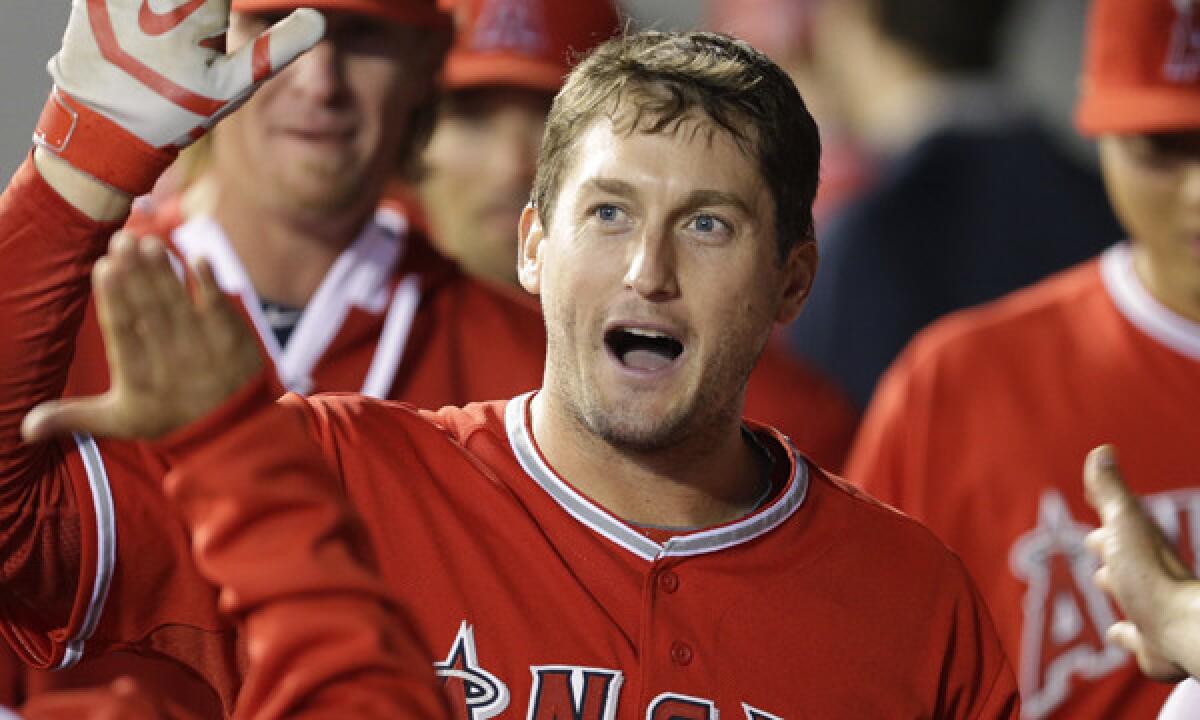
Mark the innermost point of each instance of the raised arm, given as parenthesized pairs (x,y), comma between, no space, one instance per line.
(128,94)
(269,525)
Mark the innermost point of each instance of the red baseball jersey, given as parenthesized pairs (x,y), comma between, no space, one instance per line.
(533,600)
(324,636)
(980,431)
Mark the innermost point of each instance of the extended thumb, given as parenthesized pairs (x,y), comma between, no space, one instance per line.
(61,417)
(1106,491)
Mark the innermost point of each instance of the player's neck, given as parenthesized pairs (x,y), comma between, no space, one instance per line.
(286,255)
(1175,285)
(709,479)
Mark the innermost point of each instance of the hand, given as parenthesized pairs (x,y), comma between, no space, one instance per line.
(1141,571)
(173,356)
(154,69)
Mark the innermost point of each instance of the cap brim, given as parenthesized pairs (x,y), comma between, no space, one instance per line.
(420,14)
(1138,110)
(484,70)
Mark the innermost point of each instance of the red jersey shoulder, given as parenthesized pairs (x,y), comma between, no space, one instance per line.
(1047,318)
(354,418)
(880,538)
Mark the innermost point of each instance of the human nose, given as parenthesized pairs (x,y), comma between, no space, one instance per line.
(652,267)
(317,73)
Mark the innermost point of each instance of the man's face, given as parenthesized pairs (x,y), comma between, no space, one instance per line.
(324,134)
(1154,183)
(660,282)
(480,165)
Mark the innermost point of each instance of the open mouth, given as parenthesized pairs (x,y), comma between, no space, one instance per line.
(643,349)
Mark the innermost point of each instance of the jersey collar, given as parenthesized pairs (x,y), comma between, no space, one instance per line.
(1141,309)
(602,522)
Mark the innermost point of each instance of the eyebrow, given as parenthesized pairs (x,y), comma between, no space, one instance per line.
(695,199)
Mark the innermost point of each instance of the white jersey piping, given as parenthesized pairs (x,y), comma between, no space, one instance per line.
(521,441)
(106,546)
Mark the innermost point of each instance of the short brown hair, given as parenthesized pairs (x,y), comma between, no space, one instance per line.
(666,76)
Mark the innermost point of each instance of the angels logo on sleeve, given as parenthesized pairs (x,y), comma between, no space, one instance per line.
(1065,615)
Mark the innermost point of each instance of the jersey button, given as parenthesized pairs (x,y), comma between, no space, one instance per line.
(681,653)
(668,581)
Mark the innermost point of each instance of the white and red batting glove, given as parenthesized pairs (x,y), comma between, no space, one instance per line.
(138,80)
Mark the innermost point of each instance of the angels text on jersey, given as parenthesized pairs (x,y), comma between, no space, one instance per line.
(558,691)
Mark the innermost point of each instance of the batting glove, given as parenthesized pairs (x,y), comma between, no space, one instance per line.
(138,80)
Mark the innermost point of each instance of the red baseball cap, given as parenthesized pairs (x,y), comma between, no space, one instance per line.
(1142,67)
(406,12)
(526,43)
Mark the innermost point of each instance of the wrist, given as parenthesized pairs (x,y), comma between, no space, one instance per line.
(98,148)
(87,194)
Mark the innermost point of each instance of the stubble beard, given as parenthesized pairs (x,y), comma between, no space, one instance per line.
(715,403)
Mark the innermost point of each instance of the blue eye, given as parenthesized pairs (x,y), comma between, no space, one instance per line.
(607,213)
(708,224)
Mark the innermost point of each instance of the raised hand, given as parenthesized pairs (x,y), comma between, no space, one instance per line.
(173,355)
(1157,593)
(136,80)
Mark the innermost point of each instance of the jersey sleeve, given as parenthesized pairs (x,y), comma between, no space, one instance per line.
(51,494)
(274,532)
(89,552)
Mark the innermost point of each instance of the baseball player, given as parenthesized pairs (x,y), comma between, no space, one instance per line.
(619,543)
(508,60)
(980,427)
(290,206)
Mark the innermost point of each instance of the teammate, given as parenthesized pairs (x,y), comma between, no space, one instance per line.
(979,428)
(617,544)
(289,205)
(508,60)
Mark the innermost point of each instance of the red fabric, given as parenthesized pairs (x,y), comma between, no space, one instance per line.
(513,593)
(421,13)
(980,431)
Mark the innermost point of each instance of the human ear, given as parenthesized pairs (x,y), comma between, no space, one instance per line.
(799,269)
(530,234)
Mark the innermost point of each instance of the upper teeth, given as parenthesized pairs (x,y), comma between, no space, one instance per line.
(642,332)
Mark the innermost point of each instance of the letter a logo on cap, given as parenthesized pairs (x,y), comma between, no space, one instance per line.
(518,25)
(1183,52)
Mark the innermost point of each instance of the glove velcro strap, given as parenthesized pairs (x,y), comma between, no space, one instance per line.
(98,146)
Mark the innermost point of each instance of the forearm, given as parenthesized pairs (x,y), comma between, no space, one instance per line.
(88,195)
(273,530)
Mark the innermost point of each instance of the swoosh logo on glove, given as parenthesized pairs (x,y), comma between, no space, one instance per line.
(155,23)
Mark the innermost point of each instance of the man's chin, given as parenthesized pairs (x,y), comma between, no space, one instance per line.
(639,432)
(321,195)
